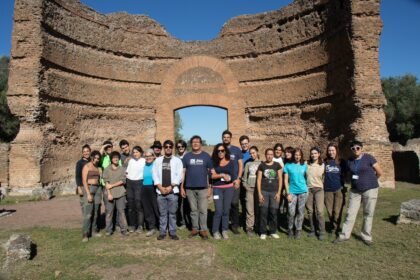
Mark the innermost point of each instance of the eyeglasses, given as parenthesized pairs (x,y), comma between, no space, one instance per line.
(168,147)
(180,147)
(220,151)
(356,148)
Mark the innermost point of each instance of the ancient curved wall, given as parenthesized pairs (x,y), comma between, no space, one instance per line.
(303,75)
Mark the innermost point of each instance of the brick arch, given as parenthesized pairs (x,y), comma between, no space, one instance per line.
(230,100)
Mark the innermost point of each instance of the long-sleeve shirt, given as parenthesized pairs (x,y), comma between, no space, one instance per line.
(249,178)
(176,172)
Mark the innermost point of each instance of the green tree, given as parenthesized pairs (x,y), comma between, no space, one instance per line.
(9,125)
(403,108)
(178,127)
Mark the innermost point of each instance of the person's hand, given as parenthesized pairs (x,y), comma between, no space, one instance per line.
(79,190)
(110,197)
(261,198)
(226,177)
(183,193)
(209,192)
(289,197)
(90,198)
(213,172)
(237,183)
(108,186)
(277,197)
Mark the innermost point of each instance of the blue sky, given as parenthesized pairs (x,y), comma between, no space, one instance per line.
(202,20)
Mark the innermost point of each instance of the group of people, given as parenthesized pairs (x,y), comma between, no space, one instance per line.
(158,188)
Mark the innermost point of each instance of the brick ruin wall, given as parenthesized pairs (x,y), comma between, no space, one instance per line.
(304,75)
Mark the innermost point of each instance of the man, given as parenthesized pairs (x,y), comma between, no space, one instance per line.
(167,176)
(183,214)
(125,152)
(197,166)
(244,142)
(235,155)
(157,148)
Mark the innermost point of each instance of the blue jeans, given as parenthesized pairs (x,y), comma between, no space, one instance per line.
(222,198)
(168,204)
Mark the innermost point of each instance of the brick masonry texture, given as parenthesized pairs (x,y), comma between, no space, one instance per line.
(304,75)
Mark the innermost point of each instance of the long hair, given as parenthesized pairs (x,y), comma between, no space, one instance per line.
(288,150)
(298,150)
(215,156)
(320,161)
(337,157)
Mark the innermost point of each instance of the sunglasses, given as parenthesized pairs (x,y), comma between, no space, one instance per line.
(220,151)
(97,158)
(356,148)
(168,147)
(180,147)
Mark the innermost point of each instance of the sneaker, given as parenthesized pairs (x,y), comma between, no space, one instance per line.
(311,234)
(174,237)
(250,233)
(274,235)
(339,240)
(321,237)
(225,235)
(263,236)
(235,230)
(85,238)
(193,233)
(131,230)
(297,234)
(217,235)
(108,233)
(150,233)
(161,236)
(204,234)
(139,231)
(97,234)
(124,233)
(368,242)
(182,227)
(117,228)
(290,234)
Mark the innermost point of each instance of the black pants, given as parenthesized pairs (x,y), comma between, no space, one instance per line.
(234,209)
(183,212)
(268,211)
(150,208)
(135,208)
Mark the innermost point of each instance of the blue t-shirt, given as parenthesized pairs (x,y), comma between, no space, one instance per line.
(246,156)
(333,180)
(235,154)
(363,168)
(297,181)
(148,175)
(231,169)
(198,168)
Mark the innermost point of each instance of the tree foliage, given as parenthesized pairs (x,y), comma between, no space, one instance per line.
(9,125)
(178,127)
(403,108)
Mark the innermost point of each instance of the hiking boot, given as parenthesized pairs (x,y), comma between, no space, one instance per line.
(217,235)
(298,234)
(150,233)
(225,235)
(204,234)
(193,233)
(235,230)
(161,236)
(174,237)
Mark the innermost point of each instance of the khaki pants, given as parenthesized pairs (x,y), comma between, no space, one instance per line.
(368,199)
(250,208)
(334,202)
(315,207)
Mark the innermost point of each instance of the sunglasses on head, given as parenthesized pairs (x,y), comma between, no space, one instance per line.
(356,148)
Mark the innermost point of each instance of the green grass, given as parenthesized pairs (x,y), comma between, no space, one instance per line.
(395,254)
(19,199)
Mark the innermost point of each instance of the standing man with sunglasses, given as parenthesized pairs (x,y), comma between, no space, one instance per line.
(235,155)
(197,167)
(167,176)
(365,171)
(183,213)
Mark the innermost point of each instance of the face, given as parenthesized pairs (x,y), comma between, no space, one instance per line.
(254,154)
(298,156)
(115,160)
(136,154)
(125,149)
(269,156)
(278,152)
(245,145)
(96,159)
(226,139)
(196,144)
(86,153)
(314,155)
(180,148)
(157,150)
(332,152)
(221,152)
(149,158)
(108,150)
(168,149)
(357,150)
(288,155)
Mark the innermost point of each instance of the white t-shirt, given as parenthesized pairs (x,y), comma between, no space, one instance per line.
(280,161)
(135,169)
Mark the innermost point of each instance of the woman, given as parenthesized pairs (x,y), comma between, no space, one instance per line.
(148,194)
(278,154)
(297,192)
(181,148)
(365,171)
(223,174)
(334,190)
(315,182)
(269,183)
(134,173)
(114,179)
(249,180)
(79,168)
(92,195)
(288,154)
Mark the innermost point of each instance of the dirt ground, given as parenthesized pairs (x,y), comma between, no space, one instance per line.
(59,212)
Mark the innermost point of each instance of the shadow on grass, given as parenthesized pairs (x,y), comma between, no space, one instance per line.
(34,251)
(392,219)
